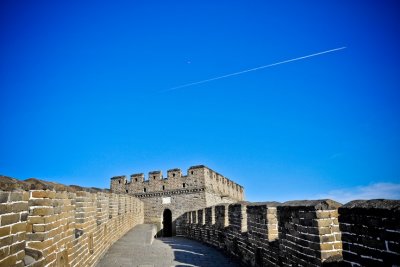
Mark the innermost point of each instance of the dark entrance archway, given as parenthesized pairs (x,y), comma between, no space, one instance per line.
(167,223)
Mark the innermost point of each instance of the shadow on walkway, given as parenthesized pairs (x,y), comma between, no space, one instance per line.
(192,253)
(135,249)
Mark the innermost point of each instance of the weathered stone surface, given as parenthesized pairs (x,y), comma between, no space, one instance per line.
(371,232)
(13,184)
(75,228)
(200,188)
(386,204)
(324,204)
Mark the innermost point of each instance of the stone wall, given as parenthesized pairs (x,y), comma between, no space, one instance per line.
(301,233)
(371,232)
(200,188)
(197,177)
(178,203)
(49,228)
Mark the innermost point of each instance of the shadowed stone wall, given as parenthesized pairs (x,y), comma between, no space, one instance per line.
(371,232)
(301,233)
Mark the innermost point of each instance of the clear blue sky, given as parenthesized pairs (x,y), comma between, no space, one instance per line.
(81,96)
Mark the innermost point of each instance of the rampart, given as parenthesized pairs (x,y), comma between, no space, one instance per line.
(64,226)
(301,233)
(197,177)
(177,193)
(60,228)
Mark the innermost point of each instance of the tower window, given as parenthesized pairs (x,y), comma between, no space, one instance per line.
(173,175)
(154,177)
(144,190)
(184,185)
(127,190)
(192,172)
(163,187)
(119,181)
(135,179)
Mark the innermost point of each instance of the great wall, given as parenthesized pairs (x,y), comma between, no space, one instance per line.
(48,224)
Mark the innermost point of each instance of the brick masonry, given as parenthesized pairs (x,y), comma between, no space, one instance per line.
(75,228)
(371,232)
(49,228)
(200,188)
(301,233)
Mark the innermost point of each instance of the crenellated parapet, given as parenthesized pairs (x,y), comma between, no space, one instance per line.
(63,228)
(301,233)
(198,176)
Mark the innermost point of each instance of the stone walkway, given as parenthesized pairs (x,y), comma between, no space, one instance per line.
(137,249)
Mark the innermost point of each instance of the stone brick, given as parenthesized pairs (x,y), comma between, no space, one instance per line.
(39,244)
(5,241)
(9,261)
(38,228)
(4,252)
(326,246)
(5,230)
(43,194)
(16,196)
(41,202)
(19,227)
(19,206)
(9,219)
(20,255)
(36,219)
(4,196)
(23,216)
(5,208)
(41,211)
(39,236)
(21,236)
(14,248)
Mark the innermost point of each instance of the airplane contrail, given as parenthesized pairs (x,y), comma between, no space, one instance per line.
(254,69)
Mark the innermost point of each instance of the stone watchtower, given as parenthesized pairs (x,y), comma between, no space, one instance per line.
(167,198)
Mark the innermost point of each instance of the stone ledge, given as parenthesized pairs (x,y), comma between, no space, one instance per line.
(386,204)
(166,193)
(322,204)
(13,184)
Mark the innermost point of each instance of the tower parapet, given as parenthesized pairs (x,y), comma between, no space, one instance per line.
(137,178)
(119,183)
(197,177)
(155,175)
(178,192)
(174,173)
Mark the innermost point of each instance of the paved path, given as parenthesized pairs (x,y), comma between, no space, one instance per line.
(137,249)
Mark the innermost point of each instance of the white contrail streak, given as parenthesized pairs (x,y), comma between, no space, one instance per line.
(253,69)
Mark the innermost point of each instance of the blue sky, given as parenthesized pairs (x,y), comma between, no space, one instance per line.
(83,93)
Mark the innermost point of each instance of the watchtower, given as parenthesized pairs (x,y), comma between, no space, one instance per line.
(167,198)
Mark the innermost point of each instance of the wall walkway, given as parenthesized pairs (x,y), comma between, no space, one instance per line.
(49,228)
(172,251)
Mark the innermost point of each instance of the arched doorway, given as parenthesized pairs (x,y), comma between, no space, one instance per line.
(167,223)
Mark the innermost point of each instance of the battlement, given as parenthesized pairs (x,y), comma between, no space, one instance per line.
(197,177)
